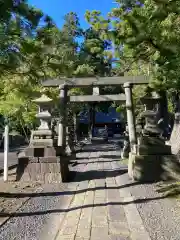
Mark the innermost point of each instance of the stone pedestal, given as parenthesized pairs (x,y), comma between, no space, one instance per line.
(152,146)
(147,168)
(45,170)
(43,163)
(153,160)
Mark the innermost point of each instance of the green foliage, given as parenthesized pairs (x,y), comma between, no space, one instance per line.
(145,40)
(147,35)
(30,53)
(151,33)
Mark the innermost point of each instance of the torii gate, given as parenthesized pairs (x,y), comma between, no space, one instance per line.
(65,84)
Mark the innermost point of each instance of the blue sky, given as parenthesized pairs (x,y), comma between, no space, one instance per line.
(58,8)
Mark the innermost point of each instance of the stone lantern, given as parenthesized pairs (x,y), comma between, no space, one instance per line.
(147,164)
(42,159)
(43,115)
(150,114)
(43,135)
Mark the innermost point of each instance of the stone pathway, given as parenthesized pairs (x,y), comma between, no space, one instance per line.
(102,202)
(99,209)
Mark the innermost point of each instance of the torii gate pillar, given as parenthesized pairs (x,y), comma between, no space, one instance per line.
(130,116)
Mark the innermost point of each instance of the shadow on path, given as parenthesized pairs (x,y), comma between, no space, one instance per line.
(99,150)
(64,193)
(101,156)
(24,214)
(78,163)
(94,174)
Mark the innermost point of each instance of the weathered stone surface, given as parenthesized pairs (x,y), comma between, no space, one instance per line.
(171,168)
(115,237)
(33,159)
(101,81)
(48,160)
(96,210)
(148,145)
(119,228)
(42,142)
(153,167)
(99,232)
(112,194)
(151,141)
(25,177)
(98,98)
(116,213)
(42,151)
(83,232)
(34,171)
(154,150)
(99,221)
(66,237)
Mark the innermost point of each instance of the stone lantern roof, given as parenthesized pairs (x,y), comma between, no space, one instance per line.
(43,99)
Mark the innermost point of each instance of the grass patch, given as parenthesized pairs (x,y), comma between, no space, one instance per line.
(171,190)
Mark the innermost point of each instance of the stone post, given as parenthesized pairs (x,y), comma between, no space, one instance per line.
(90,121)
(62,134)
(130,116)
(95,91)
(93,118)
(75,127)
(62,120)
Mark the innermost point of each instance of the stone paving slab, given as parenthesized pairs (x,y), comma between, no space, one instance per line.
(98,211)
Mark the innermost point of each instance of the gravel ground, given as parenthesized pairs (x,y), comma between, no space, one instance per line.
(26,227)
(31,219)
(161,216)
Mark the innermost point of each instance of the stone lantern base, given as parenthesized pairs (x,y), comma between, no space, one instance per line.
(153,161)
(43,163)
(146,168)
(43,160)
